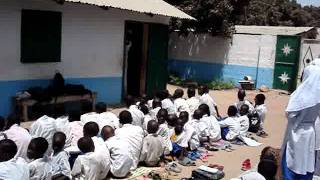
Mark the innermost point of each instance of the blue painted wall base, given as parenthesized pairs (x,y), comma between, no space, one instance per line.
(210,71)
(109,89)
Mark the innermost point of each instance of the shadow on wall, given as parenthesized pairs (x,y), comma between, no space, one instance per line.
(194,47)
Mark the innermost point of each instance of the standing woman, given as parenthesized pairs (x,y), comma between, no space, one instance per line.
(299,145)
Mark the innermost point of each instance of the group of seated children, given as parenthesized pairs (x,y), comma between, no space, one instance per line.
(100,144)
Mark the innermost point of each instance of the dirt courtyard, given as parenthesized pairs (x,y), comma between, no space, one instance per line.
(275,125)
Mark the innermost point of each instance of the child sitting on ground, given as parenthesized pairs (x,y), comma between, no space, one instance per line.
(261,109)
(193,102)
(119,153)
(60,158)
(242,101)
(12,168)
(244,120)
(106,117)
(40,166)
(213,130)
(205,98)
(136,114)
(167,102)
(163,131)
(180,103)
(153,147)
(230,126)
(87,165)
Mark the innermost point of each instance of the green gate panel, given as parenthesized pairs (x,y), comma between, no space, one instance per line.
(157,74)
(286,62)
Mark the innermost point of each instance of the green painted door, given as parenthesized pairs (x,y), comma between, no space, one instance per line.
(157,74)
(286,64)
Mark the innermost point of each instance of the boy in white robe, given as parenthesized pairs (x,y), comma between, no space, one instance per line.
(132,135)
(153,147)
(136,114)
(91,129)
(19,135)
(12,168)
(76,127)
(261,108)
(119,153)
(241,96)
(180,103)
(105,117)
(193,101)
(88,165)
(205,98)
(244,120)
(44,127)
(167,102)
(40,167)
(213,129)
(60,158)
(231,125)
(163,131)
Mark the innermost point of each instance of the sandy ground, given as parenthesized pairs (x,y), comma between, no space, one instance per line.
(275,125)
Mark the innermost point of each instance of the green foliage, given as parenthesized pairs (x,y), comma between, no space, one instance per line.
(215,84)
(219,16)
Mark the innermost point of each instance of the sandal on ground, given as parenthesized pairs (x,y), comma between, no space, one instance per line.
(246,165)
(173,167)
(187,162)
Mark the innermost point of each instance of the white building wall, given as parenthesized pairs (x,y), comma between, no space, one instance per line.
(310,49)
(239,50)
(92,40)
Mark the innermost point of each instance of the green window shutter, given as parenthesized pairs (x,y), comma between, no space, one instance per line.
(40,36)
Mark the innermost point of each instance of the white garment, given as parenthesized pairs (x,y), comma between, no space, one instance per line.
(168,105)
(41,169)
(14,169)
(181,105)
(299,141)
(233,125)
(252,176)
(153,112)
(306,95)
(240,103)
(244,124)
(90,117)
(208,100)
(62,125)
(193,104)
(76,131)
(146,120)
(137,115)
(133,136)
(262,111)
(44,127)
(110,119)
(102,152)
(212,126)
(88,167)
(61,164)
(191,136)
(152,149)
(119,156)
(165,134)
(21,137)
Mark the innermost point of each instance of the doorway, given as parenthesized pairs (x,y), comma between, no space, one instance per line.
(133,58)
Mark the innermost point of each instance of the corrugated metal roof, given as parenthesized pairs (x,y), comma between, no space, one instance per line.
(271,30)
(157,7)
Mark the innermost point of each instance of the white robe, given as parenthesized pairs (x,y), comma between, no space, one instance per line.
(164,132)
(262,111)
(181,105)
(169,106)
(44,127)
(61,164)
(233,125)
(62,125)
(152,149)
(110,119)
(208,100)
(41,169)
(119,156)
(88,167)
(137,115)
(90,117)
(300,140)
(76,131)
(193,104)
(133,135)
(244,124)
(21,137)
(14,169)
(212,126)
(240,103)
(103,153)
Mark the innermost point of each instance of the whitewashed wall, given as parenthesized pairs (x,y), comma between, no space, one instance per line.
(239,50)
(92,40)
(305,54)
